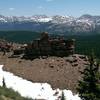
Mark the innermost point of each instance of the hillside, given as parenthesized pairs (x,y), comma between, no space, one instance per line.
(62,72)
(59,72)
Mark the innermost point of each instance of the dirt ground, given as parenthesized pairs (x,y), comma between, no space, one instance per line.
(60,72)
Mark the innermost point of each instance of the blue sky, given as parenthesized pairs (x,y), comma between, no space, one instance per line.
(49,7)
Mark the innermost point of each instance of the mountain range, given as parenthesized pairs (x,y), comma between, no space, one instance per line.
(53,24)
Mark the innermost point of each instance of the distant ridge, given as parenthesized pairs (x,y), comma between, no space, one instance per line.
(53,24)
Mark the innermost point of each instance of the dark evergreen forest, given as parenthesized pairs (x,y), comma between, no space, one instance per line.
(85,44)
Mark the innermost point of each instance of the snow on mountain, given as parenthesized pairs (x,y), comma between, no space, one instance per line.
(34,90)
(52,24)
(39,18)
(2,20)
(62,19)
(44,19)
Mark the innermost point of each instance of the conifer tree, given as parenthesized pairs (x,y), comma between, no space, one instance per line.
(89,86)
(4,84)
(62,96)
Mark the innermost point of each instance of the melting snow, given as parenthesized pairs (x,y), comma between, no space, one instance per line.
(34,90)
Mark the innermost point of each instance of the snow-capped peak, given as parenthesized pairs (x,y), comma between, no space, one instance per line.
(53,24)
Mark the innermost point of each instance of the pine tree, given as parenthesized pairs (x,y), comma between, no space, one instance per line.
(89,86)
(4,84)
(62,96)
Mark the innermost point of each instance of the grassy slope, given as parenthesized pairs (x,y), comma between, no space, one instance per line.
(9,94)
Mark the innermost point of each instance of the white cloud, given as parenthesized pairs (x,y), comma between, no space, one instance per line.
(49,0)
(11,9)
(40,7)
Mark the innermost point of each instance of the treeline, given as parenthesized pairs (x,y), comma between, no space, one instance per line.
(19,36)
(84,43)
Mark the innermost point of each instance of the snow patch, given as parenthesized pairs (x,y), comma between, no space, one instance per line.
(45,19)
(33,90)
(2,20)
